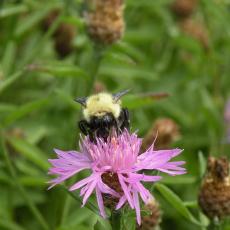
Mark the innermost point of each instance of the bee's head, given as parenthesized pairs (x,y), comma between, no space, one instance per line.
(100,104)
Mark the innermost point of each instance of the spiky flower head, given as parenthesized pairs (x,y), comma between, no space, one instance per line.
(116,169)
(104,19)
(214,196)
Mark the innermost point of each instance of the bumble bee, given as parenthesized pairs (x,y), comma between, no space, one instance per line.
(103,115)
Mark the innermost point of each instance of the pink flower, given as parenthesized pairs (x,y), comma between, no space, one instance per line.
(117,157)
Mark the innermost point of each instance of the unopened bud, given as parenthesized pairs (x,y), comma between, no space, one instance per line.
(99,87)
(184,8)
(214,196)
(63,36)
(196,30)
(150,222)
(165,131)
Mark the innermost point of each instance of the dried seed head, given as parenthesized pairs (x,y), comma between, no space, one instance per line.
(196,30)
(166,131)
(214,196)
(63,36)
(184,8)
(105,20)
(99,87)
(150,222)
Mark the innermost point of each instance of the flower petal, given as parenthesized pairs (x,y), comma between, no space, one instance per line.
(125,190)
(121,202)
(100,202)
(137,207)
(83,182)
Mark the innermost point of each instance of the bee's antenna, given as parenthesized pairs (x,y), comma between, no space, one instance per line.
(117,96)
(81,100)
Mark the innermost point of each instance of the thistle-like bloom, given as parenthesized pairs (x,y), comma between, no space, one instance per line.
(116,169)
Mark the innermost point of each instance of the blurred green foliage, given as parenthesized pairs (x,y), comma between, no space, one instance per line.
(38,112)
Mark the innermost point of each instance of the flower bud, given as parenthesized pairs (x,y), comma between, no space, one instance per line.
(196,30)
(63,36)
(184,8)
(99,87)
(150,222)
(105,21)
(214,196)
(165,131)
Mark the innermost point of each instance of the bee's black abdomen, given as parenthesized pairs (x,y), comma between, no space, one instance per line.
(102,126)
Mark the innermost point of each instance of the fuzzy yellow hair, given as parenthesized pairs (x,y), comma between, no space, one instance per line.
(100,104)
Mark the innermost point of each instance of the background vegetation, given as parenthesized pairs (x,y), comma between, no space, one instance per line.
(38,112)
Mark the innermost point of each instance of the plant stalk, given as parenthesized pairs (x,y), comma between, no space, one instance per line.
(115,220)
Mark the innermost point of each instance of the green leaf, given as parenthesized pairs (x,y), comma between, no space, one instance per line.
(122,72)
(102,224)
(30,181)
(10,225)
(9,57)
(98,226)
(12,10)
(202,164)
(185,179)
(137,101)
(177,203)
(30,21)
(30,152)
(90,205)
(10,80)
(24,110)
(60,70)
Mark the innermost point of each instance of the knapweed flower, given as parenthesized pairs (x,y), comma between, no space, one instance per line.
(116,169)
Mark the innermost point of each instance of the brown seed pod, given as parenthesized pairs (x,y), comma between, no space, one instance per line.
(63,36)
(166,130)
(64,39)
(196,30)
(183,8)
(105,21)
(150,222)
(214,195)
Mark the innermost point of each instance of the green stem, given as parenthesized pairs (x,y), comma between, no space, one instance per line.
(215,225)
(115,220)
(21,189)
(98,52)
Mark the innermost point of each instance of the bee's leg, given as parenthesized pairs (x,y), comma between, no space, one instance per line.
(84,127)
(125,119)
(86,130)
